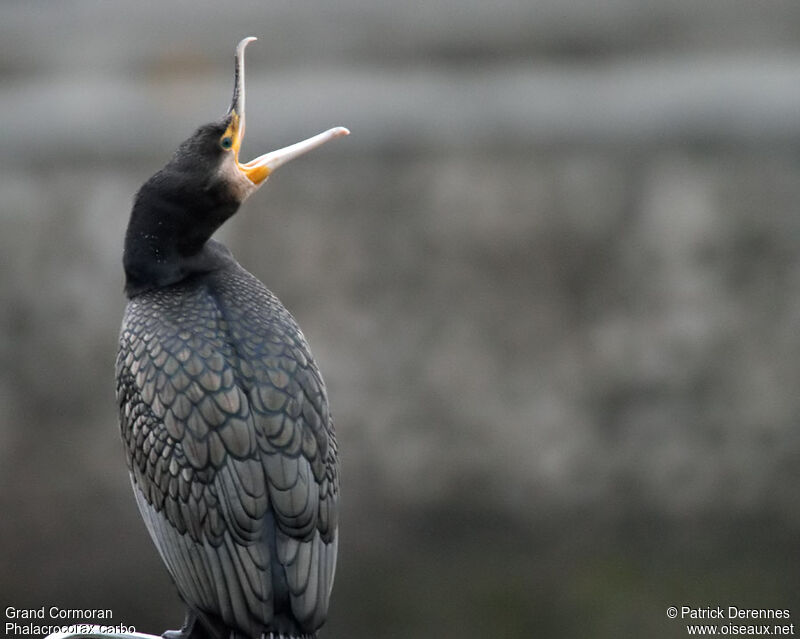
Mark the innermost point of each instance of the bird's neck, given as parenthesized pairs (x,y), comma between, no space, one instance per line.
(168,236)
(151,264)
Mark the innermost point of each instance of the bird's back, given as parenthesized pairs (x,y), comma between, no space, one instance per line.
(232,452)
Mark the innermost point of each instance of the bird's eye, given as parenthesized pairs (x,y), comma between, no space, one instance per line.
(226,142)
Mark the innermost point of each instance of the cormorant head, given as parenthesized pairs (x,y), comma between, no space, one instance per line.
(180,207)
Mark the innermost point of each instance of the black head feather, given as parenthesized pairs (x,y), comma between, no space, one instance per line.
(177,210)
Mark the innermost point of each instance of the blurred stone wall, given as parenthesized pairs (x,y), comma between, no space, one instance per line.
(551,279)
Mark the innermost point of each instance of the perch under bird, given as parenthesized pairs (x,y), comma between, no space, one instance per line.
(224,414)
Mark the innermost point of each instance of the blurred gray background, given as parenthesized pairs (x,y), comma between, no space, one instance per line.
(552,279)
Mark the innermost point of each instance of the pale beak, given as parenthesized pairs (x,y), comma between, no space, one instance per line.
(260,168)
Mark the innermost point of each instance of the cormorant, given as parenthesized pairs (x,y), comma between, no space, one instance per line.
(224,415)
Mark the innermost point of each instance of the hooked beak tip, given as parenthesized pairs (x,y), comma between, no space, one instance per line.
(243,43)
(237,101)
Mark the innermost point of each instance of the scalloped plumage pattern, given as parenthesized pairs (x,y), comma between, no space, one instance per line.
(232,451)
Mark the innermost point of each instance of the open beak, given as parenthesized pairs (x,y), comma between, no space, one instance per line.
(260,168)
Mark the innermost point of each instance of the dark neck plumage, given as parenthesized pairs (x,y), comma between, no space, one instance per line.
(167,240)
(149,266)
